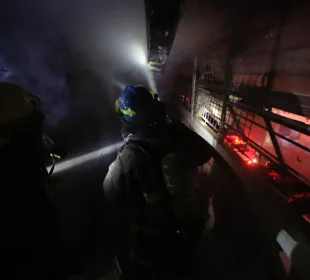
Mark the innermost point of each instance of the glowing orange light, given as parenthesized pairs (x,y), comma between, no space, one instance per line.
(235,142)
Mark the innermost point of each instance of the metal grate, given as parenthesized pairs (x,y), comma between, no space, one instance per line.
(218,105)
(210,68)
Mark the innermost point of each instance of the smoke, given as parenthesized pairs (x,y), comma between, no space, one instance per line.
(76,55)
(29,56)
(113,34)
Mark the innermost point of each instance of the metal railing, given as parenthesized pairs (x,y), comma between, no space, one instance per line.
(228,107)
(275,221)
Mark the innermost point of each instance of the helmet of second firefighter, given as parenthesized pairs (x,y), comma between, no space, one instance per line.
(137,105)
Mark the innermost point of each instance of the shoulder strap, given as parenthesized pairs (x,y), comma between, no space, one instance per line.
(135,145)
(153,157)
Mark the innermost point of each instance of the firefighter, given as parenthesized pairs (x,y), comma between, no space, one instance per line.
(135,183)
(28,235)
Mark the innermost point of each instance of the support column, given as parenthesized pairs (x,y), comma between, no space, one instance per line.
(193,97)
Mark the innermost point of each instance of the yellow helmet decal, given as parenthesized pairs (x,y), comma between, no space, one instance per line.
(153,94)
(128,112)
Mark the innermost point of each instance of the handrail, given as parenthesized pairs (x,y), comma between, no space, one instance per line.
(293,124)
(276,219)
(268,117)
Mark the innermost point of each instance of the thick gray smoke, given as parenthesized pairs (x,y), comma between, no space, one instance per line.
(30,57)
(76,55)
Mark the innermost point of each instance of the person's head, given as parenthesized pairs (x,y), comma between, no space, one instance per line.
(21,121)
(139,108)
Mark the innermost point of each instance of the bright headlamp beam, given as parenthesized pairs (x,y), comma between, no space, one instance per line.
(140,55)
(68,164)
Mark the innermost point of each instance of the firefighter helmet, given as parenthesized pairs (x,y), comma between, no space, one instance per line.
(137,105)
(16,105)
